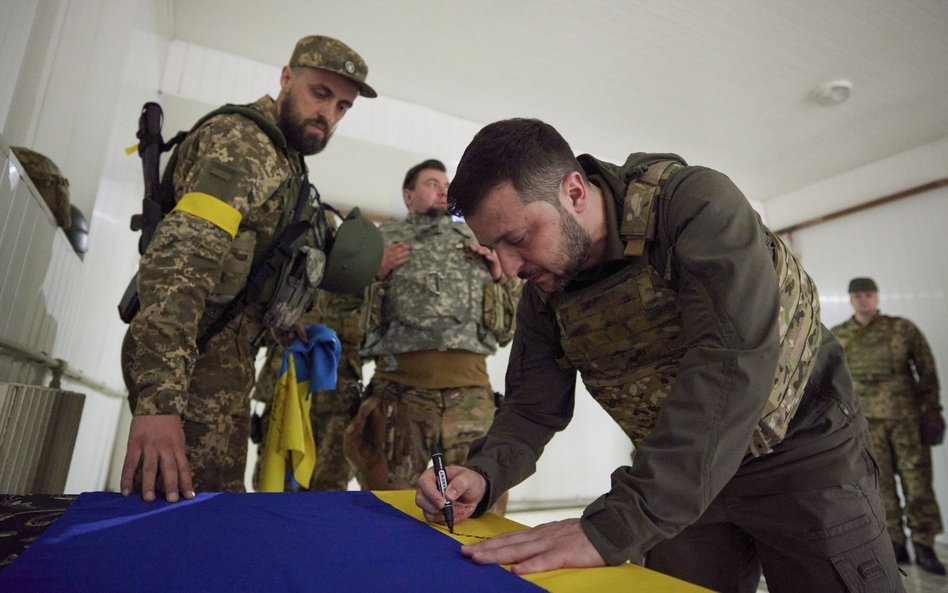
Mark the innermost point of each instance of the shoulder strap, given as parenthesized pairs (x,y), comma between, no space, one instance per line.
(166,195)
(270,129)
(638,207)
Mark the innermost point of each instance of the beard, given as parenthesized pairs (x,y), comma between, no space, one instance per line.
(294,126)
(572,254)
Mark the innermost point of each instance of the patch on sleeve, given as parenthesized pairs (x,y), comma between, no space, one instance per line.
(219,180)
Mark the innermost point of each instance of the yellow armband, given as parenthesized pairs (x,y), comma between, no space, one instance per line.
(211,209)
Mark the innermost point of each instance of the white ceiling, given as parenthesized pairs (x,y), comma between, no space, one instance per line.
(724,83)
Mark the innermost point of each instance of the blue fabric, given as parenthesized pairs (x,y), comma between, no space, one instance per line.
(308,541)
(317,359)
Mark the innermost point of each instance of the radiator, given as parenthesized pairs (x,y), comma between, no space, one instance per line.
(38,427)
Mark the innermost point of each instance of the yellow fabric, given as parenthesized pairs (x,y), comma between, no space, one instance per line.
(628,578)
(211,209)
(131,149)
(289,445)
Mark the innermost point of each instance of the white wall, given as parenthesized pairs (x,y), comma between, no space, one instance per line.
(902,245)
(16,17)
(578,462)
(80,81)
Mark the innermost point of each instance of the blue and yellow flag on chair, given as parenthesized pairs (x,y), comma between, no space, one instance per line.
(289,453)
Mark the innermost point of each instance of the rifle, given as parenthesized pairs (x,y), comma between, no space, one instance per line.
(155,203)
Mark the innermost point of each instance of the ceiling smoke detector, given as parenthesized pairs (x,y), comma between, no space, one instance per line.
(833,92)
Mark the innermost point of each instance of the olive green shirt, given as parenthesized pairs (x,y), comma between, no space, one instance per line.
(711,244)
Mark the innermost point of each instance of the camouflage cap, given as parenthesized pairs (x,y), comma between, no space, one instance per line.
(48,180)
(332,55)
(863,285)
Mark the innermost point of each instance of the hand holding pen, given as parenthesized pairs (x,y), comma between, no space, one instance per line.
(465,489)
(441,480)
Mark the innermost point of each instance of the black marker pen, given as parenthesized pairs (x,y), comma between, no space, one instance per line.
(441,478)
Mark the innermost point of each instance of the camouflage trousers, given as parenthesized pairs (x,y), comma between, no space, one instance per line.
(330,414)
(901,453)
(216,420)
(417,418)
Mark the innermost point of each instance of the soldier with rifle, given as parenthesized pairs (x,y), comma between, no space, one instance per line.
(240,254)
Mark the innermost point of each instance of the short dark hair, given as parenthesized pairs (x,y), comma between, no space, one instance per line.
(528,153)
(863,285)
(412,176)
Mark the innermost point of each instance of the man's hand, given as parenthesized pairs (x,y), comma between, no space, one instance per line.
(285,337)
(561,544)
(490,256)
(393,256)
(465,490)
(157,442)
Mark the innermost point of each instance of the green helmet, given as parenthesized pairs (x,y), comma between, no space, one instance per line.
(355,256)
(49,181)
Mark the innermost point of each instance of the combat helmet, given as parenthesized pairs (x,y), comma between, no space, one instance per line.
(49,181)
(355,256)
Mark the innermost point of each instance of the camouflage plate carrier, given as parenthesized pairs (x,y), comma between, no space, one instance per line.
(441,298)
(624,334)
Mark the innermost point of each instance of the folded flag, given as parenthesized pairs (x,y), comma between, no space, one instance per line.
(289,453)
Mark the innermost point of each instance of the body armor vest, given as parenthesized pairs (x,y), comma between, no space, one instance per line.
(435,299)
(624,334)
(884,365)
(873,353)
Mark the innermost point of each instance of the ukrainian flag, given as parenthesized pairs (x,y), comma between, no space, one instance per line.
(290,449)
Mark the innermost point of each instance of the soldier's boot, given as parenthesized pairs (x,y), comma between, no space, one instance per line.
(901,553)
(927,560)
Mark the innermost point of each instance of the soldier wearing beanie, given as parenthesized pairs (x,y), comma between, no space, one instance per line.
(894,376)
(238,177)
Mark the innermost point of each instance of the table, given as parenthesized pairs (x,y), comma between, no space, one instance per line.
(320,541)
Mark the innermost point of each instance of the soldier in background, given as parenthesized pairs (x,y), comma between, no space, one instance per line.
(441,306)
(698,331)
(237,184)
(894,376)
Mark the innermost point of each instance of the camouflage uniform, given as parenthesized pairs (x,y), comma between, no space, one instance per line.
(442,301)
(699,333)
(191,270)
(332,410)
(894,376)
